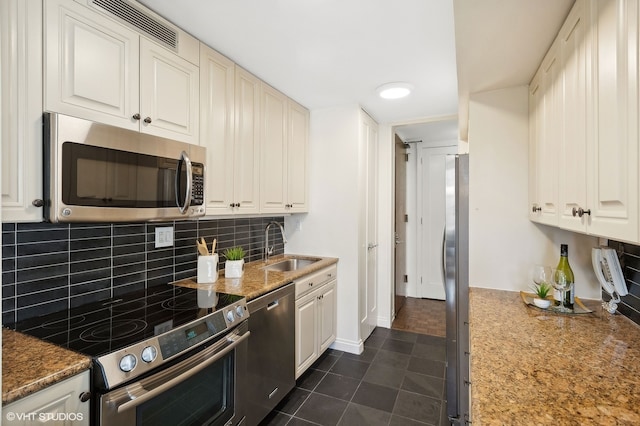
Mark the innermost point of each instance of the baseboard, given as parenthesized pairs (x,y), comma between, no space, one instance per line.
(384,322)
(348,346)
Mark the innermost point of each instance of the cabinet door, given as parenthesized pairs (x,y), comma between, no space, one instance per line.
(535,134)
(297,146)
(216,127)
(306,332)
(550,138)
(55,401)
(613,186)
(246,184)
(273,165)
(91,65)
(327,316)
(21,109)
(572,178)
(169,94)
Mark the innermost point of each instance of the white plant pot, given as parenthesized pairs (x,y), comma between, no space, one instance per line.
(233,268)
(542,303)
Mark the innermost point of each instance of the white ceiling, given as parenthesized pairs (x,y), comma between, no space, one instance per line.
(325,53)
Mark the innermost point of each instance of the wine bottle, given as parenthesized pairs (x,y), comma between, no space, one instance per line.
(563,265)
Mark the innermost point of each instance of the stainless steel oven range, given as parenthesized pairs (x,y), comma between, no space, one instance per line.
(163,356)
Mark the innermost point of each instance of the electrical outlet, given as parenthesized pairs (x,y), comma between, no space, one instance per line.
(164,236)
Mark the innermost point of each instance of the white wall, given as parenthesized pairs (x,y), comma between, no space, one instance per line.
(503,242)
(331,226)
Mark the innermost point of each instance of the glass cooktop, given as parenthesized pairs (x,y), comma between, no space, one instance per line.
(109,325)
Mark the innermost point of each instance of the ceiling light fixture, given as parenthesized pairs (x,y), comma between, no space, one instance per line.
(395,90)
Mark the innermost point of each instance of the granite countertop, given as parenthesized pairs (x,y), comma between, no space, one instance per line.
(533,367)
(256,281)
(30,365)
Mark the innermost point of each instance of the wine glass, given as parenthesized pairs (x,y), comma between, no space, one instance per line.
(541,274)
(562,284)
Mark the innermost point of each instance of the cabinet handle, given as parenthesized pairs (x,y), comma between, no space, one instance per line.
(85,396)
(310,284)
(136,116)
(147,120)
(37,202)
(536,209)
(580,212)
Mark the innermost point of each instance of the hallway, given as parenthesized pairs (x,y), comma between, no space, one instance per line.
(423,316)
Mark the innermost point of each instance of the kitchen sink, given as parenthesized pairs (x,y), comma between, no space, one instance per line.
(290,264)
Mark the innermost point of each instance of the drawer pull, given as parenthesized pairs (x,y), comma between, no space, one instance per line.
(273,392)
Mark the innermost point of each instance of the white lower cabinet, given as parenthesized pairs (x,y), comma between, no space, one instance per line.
(59,404)
(315,316)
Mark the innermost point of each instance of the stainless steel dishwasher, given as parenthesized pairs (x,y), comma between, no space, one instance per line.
(271,354)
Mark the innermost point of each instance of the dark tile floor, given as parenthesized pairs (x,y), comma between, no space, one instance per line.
(398,380)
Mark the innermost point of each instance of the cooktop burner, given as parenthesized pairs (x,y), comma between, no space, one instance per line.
(109,325)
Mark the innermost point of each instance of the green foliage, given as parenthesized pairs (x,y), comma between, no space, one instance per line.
(234,253)
(542,290)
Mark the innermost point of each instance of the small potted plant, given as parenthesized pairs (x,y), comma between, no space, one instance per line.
(234,265)
(542,291)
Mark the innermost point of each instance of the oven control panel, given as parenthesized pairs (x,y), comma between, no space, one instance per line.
(144,356)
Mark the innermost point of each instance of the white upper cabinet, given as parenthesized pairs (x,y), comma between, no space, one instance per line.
(217,111)
(21,109)
(572,178)
(297,157)
(612,156)
(169,94)
(284,133)
(545,100)
(584,124)
(273,165)
(246,175)
(535,130)
(98,69)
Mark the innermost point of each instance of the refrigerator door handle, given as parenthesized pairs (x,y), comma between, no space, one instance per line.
(444,259)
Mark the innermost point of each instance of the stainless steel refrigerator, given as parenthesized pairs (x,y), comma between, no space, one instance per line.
(456,282)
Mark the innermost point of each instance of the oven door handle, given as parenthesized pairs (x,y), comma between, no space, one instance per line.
(235,341)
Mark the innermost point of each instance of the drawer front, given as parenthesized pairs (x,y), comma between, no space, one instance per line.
(316,279)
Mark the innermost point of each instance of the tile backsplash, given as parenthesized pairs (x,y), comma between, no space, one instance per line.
(630,263)
(51,267)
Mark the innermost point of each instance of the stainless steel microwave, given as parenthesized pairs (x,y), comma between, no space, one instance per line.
(99,173)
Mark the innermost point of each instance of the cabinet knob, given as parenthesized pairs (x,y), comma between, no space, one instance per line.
(536,209)
(136,116)
(147,120)
(580,212)
(85,396)
(37,202)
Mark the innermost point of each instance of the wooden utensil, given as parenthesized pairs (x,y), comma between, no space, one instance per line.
(202,247)
(213,246)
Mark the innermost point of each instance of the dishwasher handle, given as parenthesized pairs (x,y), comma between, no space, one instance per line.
(273,305)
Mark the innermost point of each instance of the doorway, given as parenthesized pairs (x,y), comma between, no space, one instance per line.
(419,221)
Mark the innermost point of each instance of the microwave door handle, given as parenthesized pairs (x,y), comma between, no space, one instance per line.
(187,196)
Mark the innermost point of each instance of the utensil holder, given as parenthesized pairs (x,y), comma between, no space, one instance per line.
(207,269)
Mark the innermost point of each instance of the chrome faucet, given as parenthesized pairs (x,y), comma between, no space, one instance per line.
(268,251)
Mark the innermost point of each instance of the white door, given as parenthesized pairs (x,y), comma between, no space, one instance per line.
(367,269)
(431,211)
